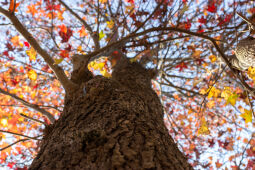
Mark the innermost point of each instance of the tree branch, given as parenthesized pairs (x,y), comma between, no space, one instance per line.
(59,72)
(30,118)
(17,134)
(86,25)
(33,106)
(6,147)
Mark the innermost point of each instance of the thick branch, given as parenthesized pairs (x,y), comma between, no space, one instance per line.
(59,72)
(33,106)
(86,25)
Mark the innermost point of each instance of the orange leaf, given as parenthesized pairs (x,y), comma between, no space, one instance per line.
(12,4)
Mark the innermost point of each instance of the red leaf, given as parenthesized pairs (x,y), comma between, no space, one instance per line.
(65,35)
(131,1)
(26,44)
(64,54)
(24,168)
(212,8)
(251,163)
(181,66)
(6,53)
(36,86)
(14,82)
(68,48)
(10,165)
(187,25)
(9,47)
(202,20)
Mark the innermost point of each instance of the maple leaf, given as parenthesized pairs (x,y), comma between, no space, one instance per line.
(131,1)
(101,35)
(16,42)
(12,5)
(232,99)
(64,54)
(32,9)
(187,25)
(32,54)
(9,47)
(212,8)
(213,58)
(247,115)
(251,73)
(229,96)
(102,1)
(110,24)
(32,75)
(26,44)
(197,54)
(203,130)
(82,32)
(4,122)
(58,61)
(202,20)
(65,33)
(213,92)
(181,66)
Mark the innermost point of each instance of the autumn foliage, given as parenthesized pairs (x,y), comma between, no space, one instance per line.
(208,104)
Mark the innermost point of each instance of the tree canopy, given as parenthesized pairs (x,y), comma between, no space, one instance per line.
(208,104)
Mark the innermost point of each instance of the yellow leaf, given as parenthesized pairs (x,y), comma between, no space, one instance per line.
(58,60)
(101,35)
(247,115)
(203,130)
(229,96)
(32,54)
(4,122)
(110,24)
(102,1)
(32,75)
(213,92)
(232,99)
(213,58)
(101,66)
(251,73)
(60,15)
(105,73)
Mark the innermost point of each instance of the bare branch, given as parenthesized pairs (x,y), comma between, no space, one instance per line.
(59,72)
(6,147)
(33,106)
(27,117)
(17,134)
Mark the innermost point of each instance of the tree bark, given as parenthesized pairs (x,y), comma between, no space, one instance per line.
(111,123)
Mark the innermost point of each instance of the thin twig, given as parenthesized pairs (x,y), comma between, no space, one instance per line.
(17,134)
(27,117)
(6,147)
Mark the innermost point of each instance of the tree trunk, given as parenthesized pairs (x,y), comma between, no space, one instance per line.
(114,123)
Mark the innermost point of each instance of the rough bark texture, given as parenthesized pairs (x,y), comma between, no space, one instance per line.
(112,123)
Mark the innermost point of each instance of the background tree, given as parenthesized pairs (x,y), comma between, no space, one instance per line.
(208,104)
